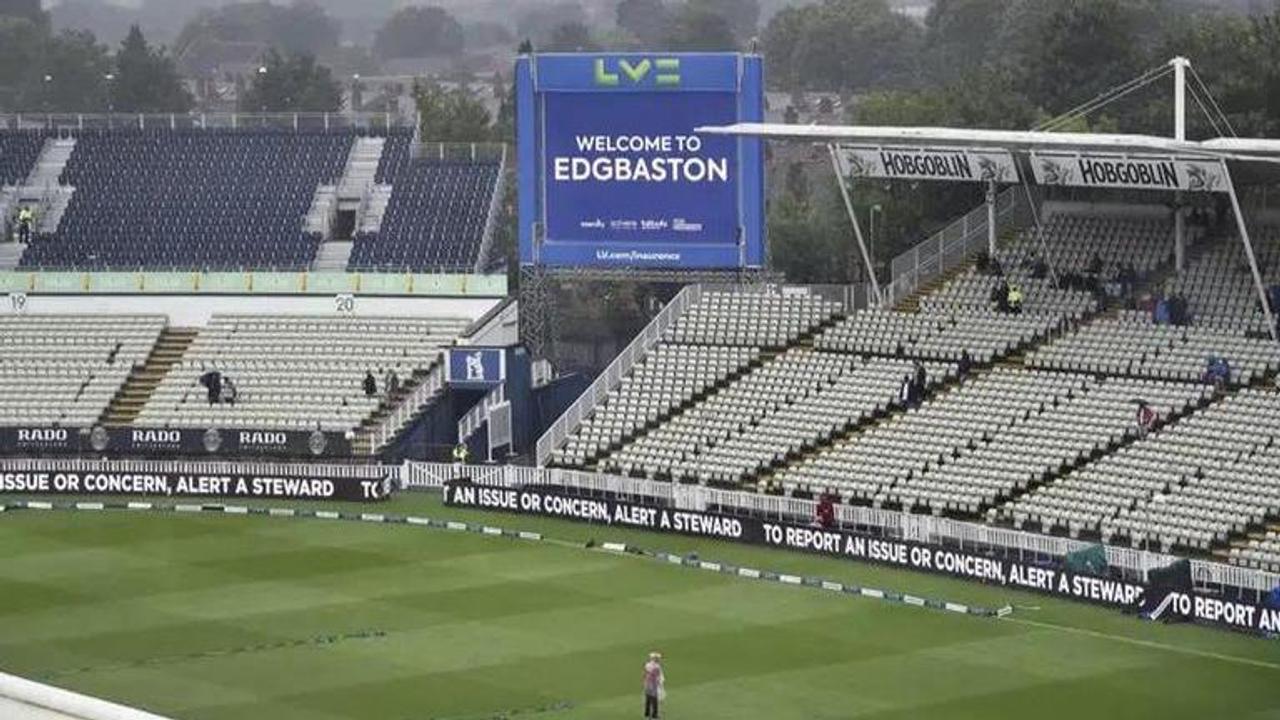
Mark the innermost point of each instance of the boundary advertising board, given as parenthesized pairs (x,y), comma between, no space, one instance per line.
(920,556)
(161,483)
(612,174)
(172,442)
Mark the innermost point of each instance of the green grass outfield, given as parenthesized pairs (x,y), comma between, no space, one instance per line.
(202,616)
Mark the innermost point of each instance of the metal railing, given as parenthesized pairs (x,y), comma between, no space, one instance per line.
(948,247)
(1028,547)
(410,406)
(202,467)
(463,152)
(477,415)
(612,375)
(491,218)
(197,120)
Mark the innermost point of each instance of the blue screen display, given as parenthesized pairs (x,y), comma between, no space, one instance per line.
(612,173)
(616,175)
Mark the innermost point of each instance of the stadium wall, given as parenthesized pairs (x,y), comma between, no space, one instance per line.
(195,310)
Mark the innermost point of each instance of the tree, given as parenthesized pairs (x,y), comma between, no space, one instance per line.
(302,28)
(538,22)
(809,240)
(843,45)
(695,27)
(450,115)
(25,9)
(1064,53)
(419,32)
(107,21)
(485,34)
(571,37)
(645,20)
(146,80)
(743,15)
(959,35)
(291,83)
(74,77)
(22,47)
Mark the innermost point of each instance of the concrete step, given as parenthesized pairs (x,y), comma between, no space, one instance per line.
(333,256)
(10,255)
(142,382)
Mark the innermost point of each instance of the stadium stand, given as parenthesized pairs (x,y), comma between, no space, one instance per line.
(436,217)
(1131,345)
(1259,552)
(226,199)
(64,370)
(19,150)
(1072,241)
(1044,431)
(1218,285)
(190,199)
(1214,472)
(295,373)
(669,377)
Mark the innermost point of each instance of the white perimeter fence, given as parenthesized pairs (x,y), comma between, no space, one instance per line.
(1024,546)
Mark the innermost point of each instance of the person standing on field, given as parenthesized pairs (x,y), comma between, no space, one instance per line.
(654,685)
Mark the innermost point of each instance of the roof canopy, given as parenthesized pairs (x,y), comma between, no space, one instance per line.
(1236,149)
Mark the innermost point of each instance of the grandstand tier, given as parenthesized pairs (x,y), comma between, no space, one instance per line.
(1088,410)
(238,199)
(298,373)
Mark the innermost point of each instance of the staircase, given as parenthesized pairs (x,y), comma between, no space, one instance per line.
(56,202)
(370,220)
(52,161)
(142,382)
(362,167)
(911,303)
(324,205)
(10,255)
(41,188)
(333,256)
(395,414)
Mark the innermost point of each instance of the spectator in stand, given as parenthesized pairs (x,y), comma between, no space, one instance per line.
(1217,372)
(1146,418)
(825,512)
(393,384)
(966,363)
(230,393)
(1000,295)
(1095,265)
(25,219)
(1014,301)
(370,384)
(905,392)
(921,378)
(655,685)
(212,382)
(1160,312)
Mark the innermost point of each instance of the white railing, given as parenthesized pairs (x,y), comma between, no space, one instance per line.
(282,120)
(612,375)
(477,415)
(889,523)
(201,467)
(490,221)
(948,247)
(409,407)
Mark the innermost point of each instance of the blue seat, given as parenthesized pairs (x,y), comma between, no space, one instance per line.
(191,199)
